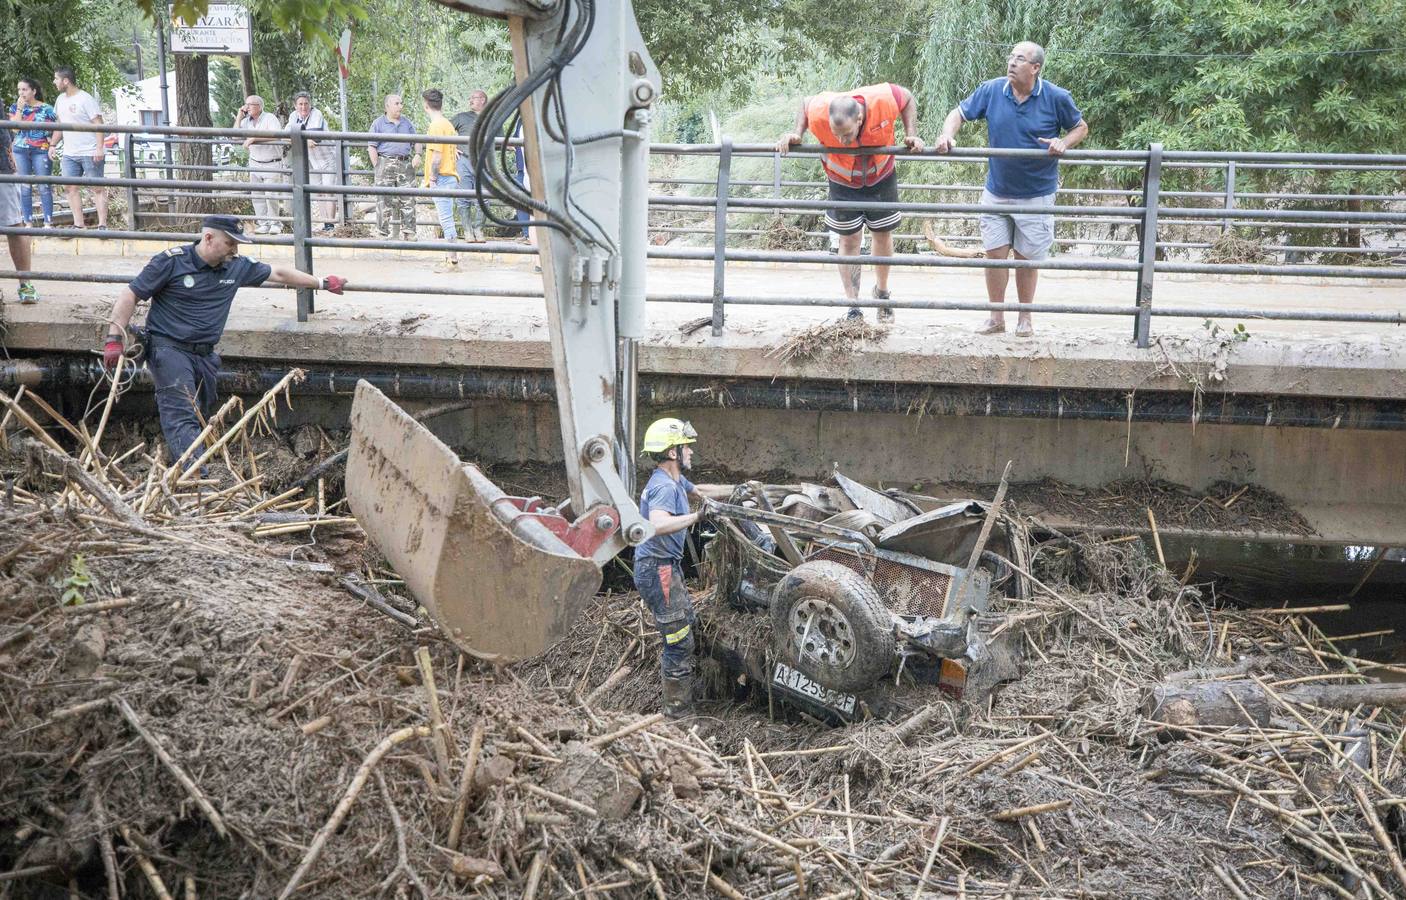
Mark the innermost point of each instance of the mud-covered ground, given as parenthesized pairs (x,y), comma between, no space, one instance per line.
(191,702)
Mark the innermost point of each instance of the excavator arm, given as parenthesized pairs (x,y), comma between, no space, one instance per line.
(504,577)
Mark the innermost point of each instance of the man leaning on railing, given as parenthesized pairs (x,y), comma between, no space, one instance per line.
(324,166)
(862,118)
(265,162)
(1022,111)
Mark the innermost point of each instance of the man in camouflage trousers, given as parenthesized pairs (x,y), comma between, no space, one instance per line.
(394,167)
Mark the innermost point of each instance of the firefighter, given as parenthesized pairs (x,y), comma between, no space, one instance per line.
(658,561)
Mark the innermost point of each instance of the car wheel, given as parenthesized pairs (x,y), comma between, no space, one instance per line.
(829,623)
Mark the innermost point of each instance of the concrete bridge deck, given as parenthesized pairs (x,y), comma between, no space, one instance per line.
(923,347)
(1346,476)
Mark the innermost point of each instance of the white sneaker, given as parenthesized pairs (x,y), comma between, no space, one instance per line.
(275,229)
(261,229)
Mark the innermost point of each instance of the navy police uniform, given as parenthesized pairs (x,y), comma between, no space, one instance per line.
(190,303)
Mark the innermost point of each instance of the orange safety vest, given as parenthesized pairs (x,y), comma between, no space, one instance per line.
(878,130)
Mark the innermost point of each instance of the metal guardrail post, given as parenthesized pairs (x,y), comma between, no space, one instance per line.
(720,232)
(776,174)
(302,218)
(1229,194)
(129,170)
(343,177)
(1147,249)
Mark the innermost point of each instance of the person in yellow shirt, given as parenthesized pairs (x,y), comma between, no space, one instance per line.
(442,170)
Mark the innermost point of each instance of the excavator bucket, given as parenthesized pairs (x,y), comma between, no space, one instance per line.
(497,582)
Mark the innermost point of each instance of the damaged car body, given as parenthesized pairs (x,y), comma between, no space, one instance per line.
(844,602)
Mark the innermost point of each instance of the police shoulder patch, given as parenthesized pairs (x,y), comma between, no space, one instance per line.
(175,251)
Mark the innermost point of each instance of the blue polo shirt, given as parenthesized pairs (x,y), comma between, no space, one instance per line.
(1048,112)
(663,492)
(384,125)
(190,300)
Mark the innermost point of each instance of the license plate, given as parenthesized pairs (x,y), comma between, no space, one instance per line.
(792,680)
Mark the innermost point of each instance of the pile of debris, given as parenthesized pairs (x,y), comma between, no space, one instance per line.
(1239,247)
(840,338)
(196,702)
(1223,506)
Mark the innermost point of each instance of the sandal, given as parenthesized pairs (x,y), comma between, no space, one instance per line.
(1025,329)
(992,328)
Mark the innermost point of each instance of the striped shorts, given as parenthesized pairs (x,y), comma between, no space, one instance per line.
(851,221)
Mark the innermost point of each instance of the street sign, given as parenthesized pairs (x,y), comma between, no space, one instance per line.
(344,53)
(224,30)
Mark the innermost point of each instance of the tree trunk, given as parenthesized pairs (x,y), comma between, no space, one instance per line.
(193,109)
(1214,703)
(246,71)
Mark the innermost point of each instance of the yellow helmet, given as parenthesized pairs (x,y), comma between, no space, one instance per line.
(665,433)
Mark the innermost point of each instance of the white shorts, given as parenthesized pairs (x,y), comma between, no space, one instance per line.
(9,204)
(1030,234)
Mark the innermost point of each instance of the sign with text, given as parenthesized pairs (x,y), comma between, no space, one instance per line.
(224,30)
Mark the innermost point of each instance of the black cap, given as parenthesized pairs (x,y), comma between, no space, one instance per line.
(228,224)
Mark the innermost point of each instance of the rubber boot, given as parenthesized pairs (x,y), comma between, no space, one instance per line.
(678,697)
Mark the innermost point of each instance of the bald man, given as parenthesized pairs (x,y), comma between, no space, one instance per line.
(265,161)
(394,163)
(863,118)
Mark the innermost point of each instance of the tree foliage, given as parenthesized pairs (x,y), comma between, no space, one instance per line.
(320,20)
(1284,75)
(37,36)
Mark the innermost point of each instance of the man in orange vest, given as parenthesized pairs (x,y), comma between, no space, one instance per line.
(863,118)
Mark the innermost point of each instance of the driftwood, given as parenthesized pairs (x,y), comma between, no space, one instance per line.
(1226,703)
(69,468)
(942,248)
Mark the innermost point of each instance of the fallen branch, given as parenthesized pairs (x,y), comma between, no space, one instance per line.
(153,878)
(466,783)
(105,847)
(173,767)
(373,598)
(402,864)
(1010,815)
(340,813)
(599,742)
(177,475)
(440,741)
(70,469)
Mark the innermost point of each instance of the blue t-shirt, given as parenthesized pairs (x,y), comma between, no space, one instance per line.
(190,301)
(384,125)
(663,492)
(1048,112)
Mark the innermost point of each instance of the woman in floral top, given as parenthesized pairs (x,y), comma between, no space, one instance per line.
(32,148)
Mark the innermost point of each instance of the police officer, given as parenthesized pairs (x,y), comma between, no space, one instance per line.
(191,289)
(658,561)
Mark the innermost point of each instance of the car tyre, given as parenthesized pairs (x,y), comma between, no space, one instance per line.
(829,623)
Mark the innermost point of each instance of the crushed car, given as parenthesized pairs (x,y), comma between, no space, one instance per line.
(844,602)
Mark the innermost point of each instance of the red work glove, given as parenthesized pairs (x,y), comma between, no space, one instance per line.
(334,284)
(112,351)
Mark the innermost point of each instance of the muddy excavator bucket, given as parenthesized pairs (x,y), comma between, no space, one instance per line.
(495,580)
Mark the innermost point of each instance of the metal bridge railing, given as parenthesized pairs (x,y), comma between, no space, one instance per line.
(1144,225)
